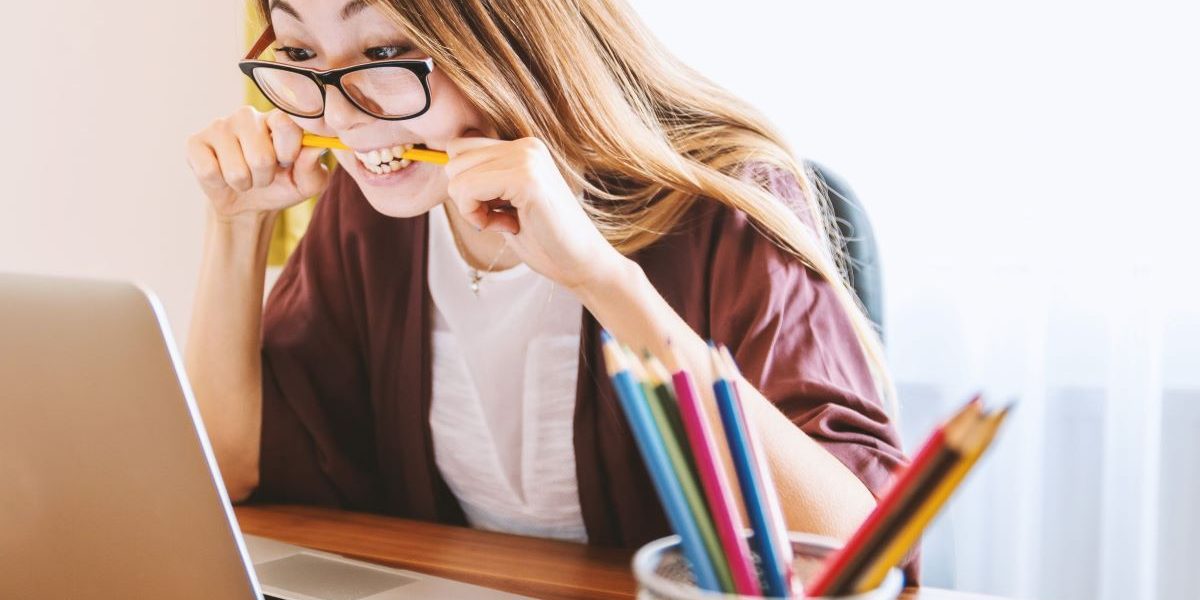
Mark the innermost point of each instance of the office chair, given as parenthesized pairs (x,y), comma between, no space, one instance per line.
(862,255)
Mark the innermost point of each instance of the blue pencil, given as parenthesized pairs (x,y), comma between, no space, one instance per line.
(654,454)
(756,486)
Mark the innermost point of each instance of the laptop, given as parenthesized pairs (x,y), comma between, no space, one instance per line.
(108,486)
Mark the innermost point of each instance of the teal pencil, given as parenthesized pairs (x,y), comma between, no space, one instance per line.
(758,487)
(658,395)
(658,464)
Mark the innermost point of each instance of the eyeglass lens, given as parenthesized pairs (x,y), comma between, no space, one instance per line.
(381,91)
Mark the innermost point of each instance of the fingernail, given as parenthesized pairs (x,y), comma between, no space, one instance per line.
(286,164)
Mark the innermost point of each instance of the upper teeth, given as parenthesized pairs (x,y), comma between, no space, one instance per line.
(385,160)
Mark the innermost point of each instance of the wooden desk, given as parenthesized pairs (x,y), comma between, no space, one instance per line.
(523,565)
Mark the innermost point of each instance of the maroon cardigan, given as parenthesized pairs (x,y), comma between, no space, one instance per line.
(347,374)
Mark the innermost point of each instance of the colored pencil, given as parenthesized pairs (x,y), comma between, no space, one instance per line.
(901,498)
(313,140)
(762,508)
(979,439)
(658,464)
(715,480)
(660,378)
(671,430)
(910,504)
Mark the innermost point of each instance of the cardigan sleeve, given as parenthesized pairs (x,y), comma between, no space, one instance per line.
(793,340)
(312,369)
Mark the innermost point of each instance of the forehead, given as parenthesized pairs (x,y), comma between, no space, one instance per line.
(329,16)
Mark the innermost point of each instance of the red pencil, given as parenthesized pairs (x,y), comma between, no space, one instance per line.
(837,568)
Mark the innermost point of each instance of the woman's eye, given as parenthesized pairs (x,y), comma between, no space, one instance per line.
(296,54)
(387,52)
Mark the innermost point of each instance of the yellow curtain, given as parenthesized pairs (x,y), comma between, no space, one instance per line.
(292,222)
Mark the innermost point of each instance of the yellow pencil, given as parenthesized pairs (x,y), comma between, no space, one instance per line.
(981,435)
(419,154)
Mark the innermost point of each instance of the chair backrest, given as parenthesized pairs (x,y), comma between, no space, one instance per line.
(864,271)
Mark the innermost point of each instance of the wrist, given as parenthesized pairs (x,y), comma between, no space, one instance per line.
(242,239)
(612,272)
(249,223)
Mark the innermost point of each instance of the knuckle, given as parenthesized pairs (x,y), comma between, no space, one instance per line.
(204,170)
(533,145)
(529,168)
(194,145)
(454,189)
(260,162)
(212,179)
(279,119)
(239,180)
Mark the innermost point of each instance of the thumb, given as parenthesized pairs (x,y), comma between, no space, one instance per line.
(309,173)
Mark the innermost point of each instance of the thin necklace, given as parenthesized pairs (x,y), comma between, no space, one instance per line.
(475,275)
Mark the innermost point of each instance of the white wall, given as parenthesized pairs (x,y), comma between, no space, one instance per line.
(965,125)
(98,100)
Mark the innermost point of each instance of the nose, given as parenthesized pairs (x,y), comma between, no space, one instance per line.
(340,113)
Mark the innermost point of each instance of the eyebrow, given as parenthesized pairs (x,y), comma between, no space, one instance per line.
(353,7)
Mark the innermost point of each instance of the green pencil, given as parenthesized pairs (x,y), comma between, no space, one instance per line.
(658,396)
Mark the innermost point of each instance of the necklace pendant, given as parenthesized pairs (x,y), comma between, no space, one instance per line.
(475,279)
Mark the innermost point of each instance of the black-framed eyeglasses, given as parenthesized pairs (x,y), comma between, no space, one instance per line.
(392,90)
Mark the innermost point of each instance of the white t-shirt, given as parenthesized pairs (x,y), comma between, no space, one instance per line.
(505,365)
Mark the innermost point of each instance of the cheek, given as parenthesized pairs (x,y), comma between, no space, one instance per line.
(451,112)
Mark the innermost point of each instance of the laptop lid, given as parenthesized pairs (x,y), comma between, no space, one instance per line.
(108,486)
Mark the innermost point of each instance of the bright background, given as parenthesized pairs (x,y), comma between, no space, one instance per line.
(1027,165)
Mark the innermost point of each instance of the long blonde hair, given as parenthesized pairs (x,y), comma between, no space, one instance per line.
(640,132)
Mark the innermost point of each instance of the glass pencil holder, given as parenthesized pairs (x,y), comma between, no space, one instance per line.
(663,574)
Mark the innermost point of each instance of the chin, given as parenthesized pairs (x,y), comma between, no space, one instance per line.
(399,207)
(402,194)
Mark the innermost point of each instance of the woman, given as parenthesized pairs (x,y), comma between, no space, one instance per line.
(431,349)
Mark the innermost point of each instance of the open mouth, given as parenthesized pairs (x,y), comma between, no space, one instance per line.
(387,160)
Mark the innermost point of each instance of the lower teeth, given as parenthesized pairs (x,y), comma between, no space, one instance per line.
(389,167)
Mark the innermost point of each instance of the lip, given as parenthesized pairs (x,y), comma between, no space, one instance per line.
(388,179)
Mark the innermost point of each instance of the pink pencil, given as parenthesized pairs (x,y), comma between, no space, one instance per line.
(715,482)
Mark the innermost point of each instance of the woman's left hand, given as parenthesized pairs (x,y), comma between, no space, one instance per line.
(515,188)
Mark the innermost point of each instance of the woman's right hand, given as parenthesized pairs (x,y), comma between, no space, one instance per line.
(251,163)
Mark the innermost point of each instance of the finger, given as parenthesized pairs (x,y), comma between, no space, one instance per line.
(471,190)
(233,166)
(257,149)
(503,220)
(285,136)
(460,145)
(493,157)
(309,173)
(204,165)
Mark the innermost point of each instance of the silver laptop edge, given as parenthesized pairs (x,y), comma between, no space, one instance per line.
(164,326)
